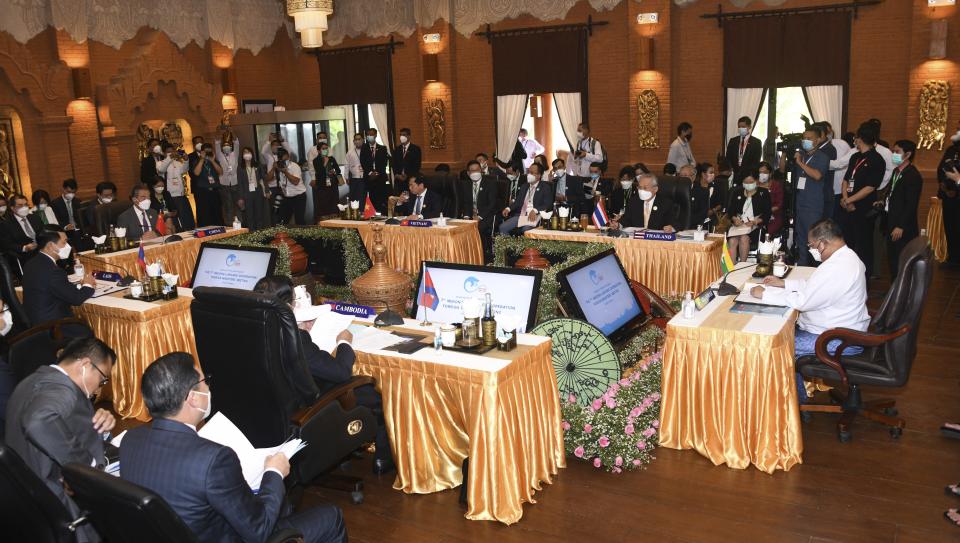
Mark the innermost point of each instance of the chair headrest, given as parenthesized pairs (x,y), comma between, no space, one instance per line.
(243,298)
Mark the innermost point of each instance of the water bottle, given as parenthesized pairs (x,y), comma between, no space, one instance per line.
(78,268)
(688,307)
(236,223)
(437,340)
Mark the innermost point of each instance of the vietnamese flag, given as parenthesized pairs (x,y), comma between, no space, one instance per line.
(368,210)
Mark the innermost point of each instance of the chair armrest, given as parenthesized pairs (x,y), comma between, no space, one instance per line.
(286,535)
(342,393)
(848,338)
(49,325)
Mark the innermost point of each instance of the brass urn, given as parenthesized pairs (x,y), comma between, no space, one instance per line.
(382,287)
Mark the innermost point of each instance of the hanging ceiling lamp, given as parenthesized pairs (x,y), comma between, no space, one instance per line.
(310,20)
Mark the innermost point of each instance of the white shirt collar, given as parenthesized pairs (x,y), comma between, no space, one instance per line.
(58,368)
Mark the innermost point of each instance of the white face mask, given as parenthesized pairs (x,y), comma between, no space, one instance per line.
(247,156)
(157,150)
(23,211)
(7,322)
(531,178)
(580,134)
(198,148)
(557,174)
(64,252)
(227,149)
(68,196)
(645,195)
(956,137)
(764,178)
(511,177)
(475,176)
(42,207)
(749,187)
(206,410)
(106,199)
(815,253)
(404,139)
(3,209)
(143,205)
(743,131)
(626,185)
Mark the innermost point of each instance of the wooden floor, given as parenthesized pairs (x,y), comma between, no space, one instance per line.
(872,489)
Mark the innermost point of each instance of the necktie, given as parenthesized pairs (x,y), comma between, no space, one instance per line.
(144,223)
(43,217)
(69,212)
(743,146)
(646,212)
(27,229)
(476,189)
(416,210)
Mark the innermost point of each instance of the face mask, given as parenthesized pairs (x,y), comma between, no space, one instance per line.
(227,149)
(815,253)
(159,189)
(7,323)
(198,148)
(144,205)
(23,211)
(371,139)
(42,207)
(106,199)
(896,158)
(404,139)
(206,410)
(157,150)
(626,185)
(64,252)
(807,145)
(324,152)
(580,134)
(531,178)
(511,177)
(3,209)
(321,140)
(247,156)
(594,176)
(764,178)
(68,196)
(956,137)
(743,131)
(557,174)
(749,187)
(475,176)
(645,195)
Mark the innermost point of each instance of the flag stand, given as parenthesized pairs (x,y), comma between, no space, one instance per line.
(425,322)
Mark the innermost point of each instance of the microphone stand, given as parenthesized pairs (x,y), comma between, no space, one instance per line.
(726,289)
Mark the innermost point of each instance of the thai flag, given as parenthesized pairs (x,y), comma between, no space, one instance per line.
(600,215)
(142,259)
(428,293)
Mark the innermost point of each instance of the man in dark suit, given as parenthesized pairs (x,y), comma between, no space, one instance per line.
(374,158)
(47,293)
(648,210)
(18,236)
(148,164)
(106,193)
(532,197)
(744,152)
(51,420)
(406,160)
(906,185)
(486,168)
(201,480)
(140,220)
(568,189)
(66,208)
(419,202)
(478,201)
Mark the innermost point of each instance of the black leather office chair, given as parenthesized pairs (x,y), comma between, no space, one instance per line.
(250,343)
(677,189)
(29,511)
(9,294)
(38,345)
(106,215)
(890,344)
(123,512)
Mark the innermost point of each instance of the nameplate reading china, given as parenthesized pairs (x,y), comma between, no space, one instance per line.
(107,276)
(655,235)
(360,311)
(209,232)
(417,223)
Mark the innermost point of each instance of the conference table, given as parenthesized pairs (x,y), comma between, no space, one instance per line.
(501,410)
(408,246)
(666,267)
(729,385)
(177,257)
(139,332)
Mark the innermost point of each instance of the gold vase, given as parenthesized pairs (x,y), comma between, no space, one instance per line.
(382,287)
(764,265)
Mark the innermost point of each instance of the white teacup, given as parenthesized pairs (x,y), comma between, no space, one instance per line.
(779,269)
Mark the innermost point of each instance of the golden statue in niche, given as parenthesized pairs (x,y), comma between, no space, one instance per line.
(934,106)
(437,123)
(173,134)
(9,178)
(648,105)
(144,134)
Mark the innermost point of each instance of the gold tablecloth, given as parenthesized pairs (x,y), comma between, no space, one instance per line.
(140,333)
(731,395)
(408,246)
(666,267)
(935,232)
(507,422)
(179,257)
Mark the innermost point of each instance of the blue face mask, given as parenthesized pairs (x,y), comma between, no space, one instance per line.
(896,158)
(594,176)
(807,145)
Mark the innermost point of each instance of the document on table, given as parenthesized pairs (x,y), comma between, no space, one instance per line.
(327,327)
(746,297)
(368,338)
(220,429)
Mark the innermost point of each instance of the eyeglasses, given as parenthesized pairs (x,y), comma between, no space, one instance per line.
(205,379)
(104,378)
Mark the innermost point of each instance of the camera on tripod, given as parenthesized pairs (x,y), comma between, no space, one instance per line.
(790,145)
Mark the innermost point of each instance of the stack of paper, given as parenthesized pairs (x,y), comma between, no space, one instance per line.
(746,297)
(368,338)
(327,327)
(220,429)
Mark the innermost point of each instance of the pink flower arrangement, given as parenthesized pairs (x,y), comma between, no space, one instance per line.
(604,441)
(578,452)
(618,461)
(611,403)
(628,429)
(649,432)
(597,462)
(588,428)
(565,425)
(641,445)
(596,404)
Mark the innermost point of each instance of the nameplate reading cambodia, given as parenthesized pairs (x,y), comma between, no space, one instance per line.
(655,235)
(359,311)
(417,223)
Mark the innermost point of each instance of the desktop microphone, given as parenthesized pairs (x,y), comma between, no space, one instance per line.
(172,238)
(726,289)
(127,278)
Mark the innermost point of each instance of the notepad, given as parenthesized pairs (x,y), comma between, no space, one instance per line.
(748,298)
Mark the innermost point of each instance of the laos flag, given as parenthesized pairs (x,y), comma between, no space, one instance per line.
(428,293)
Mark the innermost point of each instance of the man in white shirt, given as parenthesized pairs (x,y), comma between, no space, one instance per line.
(834,296)
(681,154)
(531,148)
(289,178)
(358,190)
(173,168)
(588,151)
(228,155)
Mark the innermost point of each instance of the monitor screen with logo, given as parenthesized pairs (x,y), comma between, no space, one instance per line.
(232,267)
(598,291)
(513,291)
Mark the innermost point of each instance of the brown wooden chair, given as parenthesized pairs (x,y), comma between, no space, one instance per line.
(890,345)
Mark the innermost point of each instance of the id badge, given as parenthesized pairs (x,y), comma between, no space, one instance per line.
(801,183)
(328,182)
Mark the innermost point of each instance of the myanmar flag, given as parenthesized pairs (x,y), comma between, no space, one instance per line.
(726,263)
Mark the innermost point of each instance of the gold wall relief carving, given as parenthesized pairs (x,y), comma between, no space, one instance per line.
(648,126)
(934,107)
(437,123)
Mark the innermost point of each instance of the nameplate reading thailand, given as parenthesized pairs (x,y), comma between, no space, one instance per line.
(209,232)
(417,223)
(107,276)
(655,235)
(360,311)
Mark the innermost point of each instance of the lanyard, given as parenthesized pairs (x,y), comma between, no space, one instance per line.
(857,167)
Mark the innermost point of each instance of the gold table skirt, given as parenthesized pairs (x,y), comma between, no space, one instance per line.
(178,258)
(408,246)
(731,395)
(935,232)
(663,266)
(506,422)
(139,338)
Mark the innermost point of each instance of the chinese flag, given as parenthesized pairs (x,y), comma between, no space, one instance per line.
(368,210)
(161,226)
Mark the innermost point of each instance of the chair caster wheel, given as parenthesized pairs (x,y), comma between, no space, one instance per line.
(896,432)
(844,436)
(356,497)
(891,412)
(806,416)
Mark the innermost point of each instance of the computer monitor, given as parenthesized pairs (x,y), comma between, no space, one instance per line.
(513,291)
(228,266)
(598,291)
